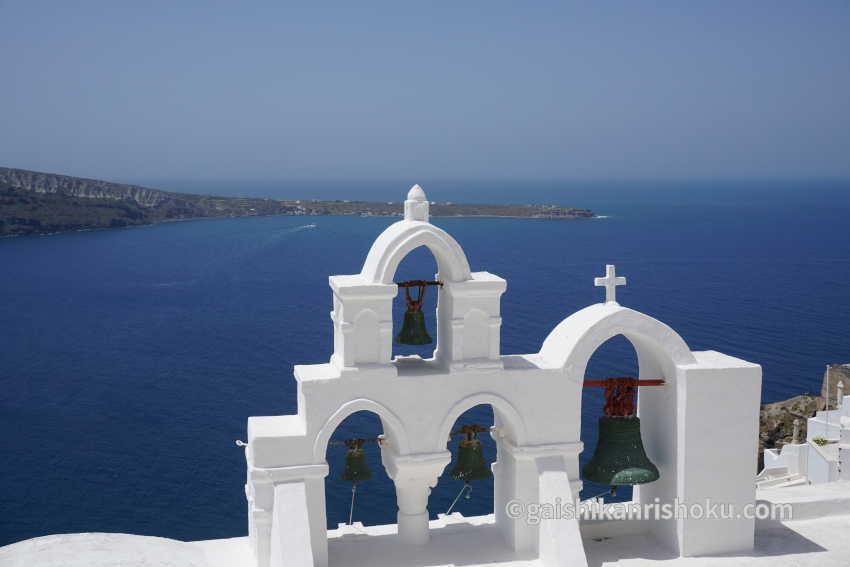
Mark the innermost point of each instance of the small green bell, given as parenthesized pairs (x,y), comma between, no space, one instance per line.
(470,463)
(413,331)
(620,458)
(356,468)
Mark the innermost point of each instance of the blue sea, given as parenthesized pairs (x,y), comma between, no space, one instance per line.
(132,358)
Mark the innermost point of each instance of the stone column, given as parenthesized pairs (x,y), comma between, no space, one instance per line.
(414,476)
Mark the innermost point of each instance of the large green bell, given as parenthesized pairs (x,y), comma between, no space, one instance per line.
(470,463)
(356,468)
(413,331)
(620,458)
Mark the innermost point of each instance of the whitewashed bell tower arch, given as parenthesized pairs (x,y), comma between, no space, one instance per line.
(468,306)
(704,418)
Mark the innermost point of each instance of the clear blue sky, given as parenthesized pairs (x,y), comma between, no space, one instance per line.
(456,90)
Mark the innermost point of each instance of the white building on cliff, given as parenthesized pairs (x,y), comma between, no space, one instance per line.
(823,457)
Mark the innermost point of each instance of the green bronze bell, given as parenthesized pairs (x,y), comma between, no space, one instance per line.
(413,331)
(356,468)
(620,458)
(470,463)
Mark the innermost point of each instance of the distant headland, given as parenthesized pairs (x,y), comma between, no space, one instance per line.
(32,202)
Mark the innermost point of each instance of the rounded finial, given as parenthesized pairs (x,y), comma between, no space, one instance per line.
(416,205)
(416,194)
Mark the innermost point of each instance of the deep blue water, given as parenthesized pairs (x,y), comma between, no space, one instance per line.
(131,359)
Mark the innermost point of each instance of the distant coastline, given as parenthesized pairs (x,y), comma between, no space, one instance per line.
(33,202)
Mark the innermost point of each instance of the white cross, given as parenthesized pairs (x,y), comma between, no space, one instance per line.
(610,283)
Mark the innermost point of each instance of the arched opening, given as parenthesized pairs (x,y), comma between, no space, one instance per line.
(418,264)
(478,499)
(616,357)
(375,499)
(660,352)
(659,349)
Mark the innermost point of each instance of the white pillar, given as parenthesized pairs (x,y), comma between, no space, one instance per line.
(414,477)
(560,541)
(259,491)
(708,440)
(469,323)
(362,322)
(517,479)
(270,499)
(413,511)
(291,544)
(261,534)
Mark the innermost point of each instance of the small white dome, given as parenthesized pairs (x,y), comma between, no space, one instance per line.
(416,194)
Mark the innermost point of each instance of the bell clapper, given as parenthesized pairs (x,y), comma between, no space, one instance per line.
(465,486)
(351,508)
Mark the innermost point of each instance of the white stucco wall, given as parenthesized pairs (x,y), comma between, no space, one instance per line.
(792,458)
(826,463)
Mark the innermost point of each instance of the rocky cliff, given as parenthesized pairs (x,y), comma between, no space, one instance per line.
(51,183)
(34,202)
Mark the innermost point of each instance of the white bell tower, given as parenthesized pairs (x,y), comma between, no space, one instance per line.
(468,307)
(704,416)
